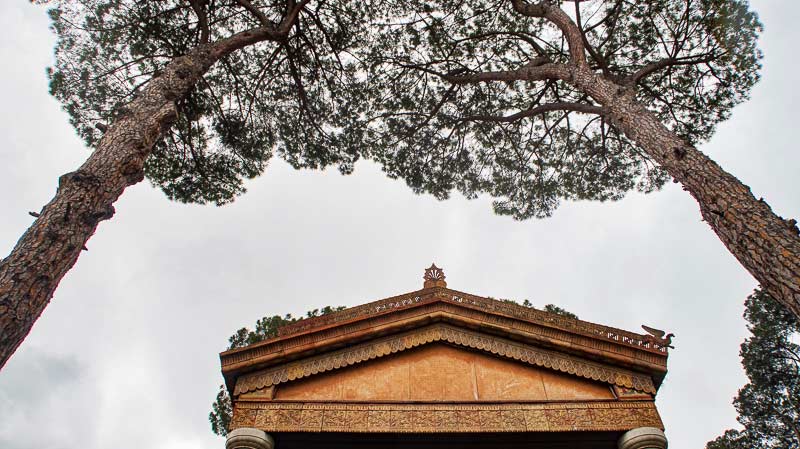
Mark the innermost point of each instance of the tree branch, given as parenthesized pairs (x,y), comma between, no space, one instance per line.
(524,36)
(263,33)
(548,10)
(202,20)
(433,112)
(291,15)
(242,39)
(655,66)
(257,13)
(595,55)
(551,107)
(528,72)
(298,81)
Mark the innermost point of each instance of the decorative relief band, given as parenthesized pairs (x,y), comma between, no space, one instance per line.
(439,418)
(515,310)
(370,308)
(441,332)
(536,330)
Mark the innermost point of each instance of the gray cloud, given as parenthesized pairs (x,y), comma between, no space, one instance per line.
(42,388)
(40,376)
(126,354)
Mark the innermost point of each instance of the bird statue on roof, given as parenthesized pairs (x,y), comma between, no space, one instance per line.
(659,337)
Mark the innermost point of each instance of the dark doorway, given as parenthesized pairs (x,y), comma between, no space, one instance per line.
(538,440)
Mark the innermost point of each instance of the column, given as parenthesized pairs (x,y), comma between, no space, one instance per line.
(643,438)
(249,438)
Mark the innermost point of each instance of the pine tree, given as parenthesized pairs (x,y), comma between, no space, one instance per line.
(195,95)
(535,102)
(769,405)
(267,327)
(529,102)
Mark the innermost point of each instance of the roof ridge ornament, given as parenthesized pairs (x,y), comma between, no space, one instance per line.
(434,277)
(657,336)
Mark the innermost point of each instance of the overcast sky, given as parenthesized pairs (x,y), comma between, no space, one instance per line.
(126,355)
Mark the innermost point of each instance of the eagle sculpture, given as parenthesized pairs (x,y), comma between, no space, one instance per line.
(659,337)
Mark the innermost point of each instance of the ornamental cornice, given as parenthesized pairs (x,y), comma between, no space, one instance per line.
(444,333)
(511,309)
(263,353)
(445,418)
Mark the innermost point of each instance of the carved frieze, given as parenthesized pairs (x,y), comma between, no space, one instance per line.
(553,329)
(488,304)
(441,418)
(626,394)
(444,333)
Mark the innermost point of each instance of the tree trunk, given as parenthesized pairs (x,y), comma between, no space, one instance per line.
(85,197)
(764,243)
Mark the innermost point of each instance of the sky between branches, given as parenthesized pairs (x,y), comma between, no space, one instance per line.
(126,355)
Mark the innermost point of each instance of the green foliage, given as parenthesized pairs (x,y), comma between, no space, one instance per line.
(525,302)
(559,311)
(267,327)
(290,99)
(221,412)
(552,308)
(370,79)
(768,406)
(476,138)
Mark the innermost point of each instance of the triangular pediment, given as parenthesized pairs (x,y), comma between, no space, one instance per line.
(440,372)
(575,347)
(467,349)
(440,361)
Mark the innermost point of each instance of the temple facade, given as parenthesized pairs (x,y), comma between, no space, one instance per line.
(439,368)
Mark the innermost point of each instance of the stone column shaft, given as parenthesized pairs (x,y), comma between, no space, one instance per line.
(643,438)
(249,438)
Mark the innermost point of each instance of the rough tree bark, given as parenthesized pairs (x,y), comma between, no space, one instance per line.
(85,197)
(764,243)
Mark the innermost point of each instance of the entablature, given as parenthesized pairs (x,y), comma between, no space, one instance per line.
(445,418)
(421,313)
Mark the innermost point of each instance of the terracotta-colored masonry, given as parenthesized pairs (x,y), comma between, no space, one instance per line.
(442,373)
(438,361)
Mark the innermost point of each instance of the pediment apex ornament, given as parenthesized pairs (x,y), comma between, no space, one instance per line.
(434,277)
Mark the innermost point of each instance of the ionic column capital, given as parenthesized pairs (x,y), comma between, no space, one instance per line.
(249,438)
(643,438)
